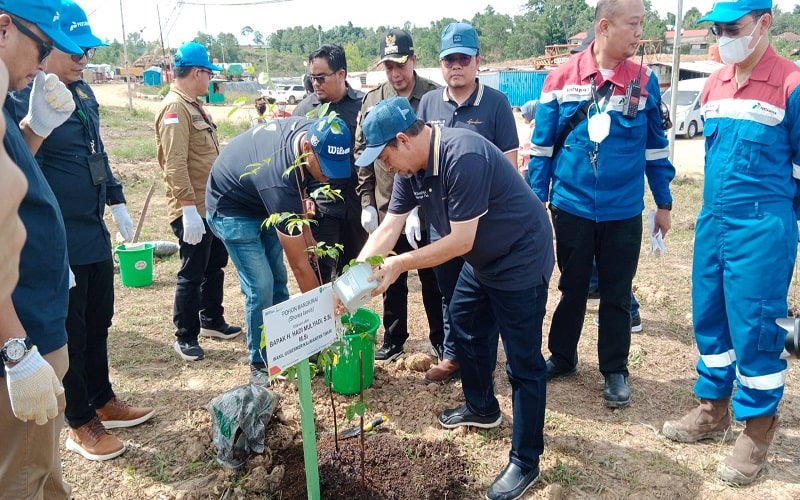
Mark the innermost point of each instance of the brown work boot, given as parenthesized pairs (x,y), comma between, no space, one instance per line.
(94,442)
(749,455)
(116,413)
(444,372)
(710,420)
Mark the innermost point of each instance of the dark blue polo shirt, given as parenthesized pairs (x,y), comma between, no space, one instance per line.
(347,108)
(467,177)
(267,152)
(41,295)
(64,158)
(486,112)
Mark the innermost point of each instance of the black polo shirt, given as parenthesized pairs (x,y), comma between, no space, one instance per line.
(468,177)
(247,178)
(347,108)
(486,112)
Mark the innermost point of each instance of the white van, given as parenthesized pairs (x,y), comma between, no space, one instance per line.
(687,120)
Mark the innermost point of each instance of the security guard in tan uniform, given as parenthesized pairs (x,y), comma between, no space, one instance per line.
(187,142)
(375,188)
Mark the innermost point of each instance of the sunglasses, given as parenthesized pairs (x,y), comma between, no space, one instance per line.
(320,78)
(44,48)
(732,30)
(87,53)
(453,59)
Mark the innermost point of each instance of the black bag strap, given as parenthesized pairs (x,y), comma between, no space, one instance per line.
(580,115)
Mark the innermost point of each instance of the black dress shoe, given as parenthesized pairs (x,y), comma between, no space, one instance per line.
(461,417)
(617,393)
(556,371)
(512,483)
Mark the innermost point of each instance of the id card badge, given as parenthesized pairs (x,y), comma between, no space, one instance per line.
(599,126)
(97,168)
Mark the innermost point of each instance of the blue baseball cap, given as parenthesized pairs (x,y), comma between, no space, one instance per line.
(459,38)
(46,15)
(728,11)
(75,24)
(332,141)
(194,54)
(387,119)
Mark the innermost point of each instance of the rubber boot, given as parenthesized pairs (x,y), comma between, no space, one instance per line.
(749,455)
(710,420)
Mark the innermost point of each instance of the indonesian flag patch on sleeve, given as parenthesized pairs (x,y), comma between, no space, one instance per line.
(170,118)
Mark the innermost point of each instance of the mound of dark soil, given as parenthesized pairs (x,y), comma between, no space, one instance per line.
(395,468)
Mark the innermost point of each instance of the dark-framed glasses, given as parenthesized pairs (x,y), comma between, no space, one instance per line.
(87,53)
(320,78)
(209,73)
(453,59)
(44,48)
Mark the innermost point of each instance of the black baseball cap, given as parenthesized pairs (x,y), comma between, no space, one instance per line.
(396,46)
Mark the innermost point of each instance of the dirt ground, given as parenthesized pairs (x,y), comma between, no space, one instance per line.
(590,451)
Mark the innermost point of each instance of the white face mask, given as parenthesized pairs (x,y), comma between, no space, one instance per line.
(736,50)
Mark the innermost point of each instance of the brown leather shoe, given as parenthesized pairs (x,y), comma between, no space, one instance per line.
(94,442)
(443,373)
(116,413)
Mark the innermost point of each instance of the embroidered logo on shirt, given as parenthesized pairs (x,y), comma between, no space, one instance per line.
(473,121)
(81,93)
(170,119)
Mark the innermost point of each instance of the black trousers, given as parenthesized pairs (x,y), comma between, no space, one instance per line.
(615,246)
(395,302)
(198,292)
(91,307)
(347,231)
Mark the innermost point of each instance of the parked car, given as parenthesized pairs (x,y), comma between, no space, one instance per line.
(290,93)
(688,118)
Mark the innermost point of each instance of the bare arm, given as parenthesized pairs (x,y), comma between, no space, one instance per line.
(10,326)
(33,141)
(512,157)
(296,254)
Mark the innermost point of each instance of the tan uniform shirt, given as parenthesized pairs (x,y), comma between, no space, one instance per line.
(375,183)
(187,143)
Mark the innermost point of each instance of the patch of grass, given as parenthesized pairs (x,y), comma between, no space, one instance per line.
(134,149)
(158,471)
(561,473)
(112,117)
(228,130)
(486,436)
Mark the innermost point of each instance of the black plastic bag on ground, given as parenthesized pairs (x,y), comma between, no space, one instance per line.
(239,418)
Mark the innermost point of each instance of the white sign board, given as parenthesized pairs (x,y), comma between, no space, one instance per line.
(298,328)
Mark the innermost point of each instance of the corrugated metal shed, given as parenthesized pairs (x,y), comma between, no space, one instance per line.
(519,86)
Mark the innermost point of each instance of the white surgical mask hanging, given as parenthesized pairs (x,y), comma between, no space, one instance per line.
(736,50)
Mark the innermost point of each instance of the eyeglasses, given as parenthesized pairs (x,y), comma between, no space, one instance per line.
(732,30)
(44,48)
(87,53)
(320,78)
(453,59)
(209,73)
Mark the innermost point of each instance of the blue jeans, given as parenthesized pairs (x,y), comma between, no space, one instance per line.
(593,286)
(478,315)
(258,256)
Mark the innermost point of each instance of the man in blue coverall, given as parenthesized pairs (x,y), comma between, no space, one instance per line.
(745,238)
(597,171)
(477,201)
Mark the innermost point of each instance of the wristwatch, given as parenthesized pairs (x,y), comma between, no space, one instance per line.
(664,206)
(15,349)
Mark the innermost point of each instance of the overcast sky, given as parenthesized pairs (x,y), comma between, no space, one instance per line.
(181,20)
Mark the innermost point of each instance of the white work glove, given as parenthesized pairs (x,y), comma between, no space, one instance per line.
(193,227)
(50,104)
(657,241)
(33,388)
(123,220)
(72,282)
(369,218)
(413,229)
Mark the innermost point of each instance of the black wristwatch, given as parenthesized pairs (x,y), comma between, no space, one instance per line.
(15,349)
(664,206)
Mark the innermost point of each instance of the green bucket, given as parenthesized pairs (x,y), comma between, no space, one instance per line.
(344,371)
(135,264)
